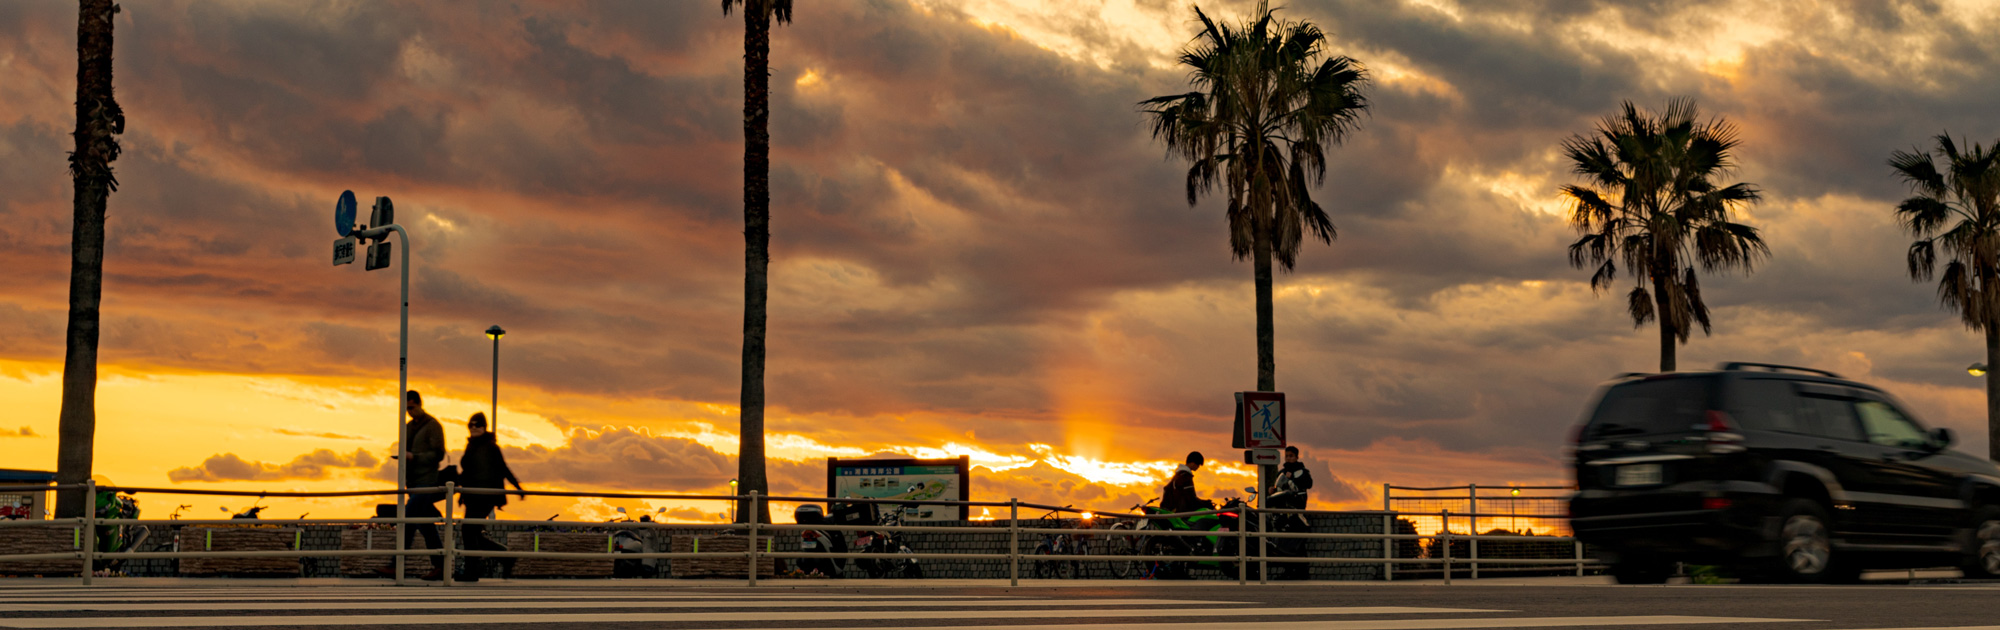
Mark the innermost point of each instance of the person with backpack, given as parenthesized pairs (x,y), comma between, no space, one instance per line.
(484,467)
(1179,495)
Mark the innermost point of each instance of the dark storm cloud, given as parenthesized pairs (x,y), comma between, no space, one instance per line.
(958,212)
(319,464)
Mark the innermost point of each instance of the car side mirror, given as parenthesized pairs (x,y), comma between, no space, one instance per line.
(1941,438)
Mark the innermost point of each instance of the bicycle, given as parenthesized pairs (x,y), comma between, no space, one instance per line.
(1060,545)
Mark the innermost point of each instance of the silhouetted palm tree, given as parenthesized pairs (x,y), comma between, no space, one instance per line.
(1267,104)
(1957,209)
(757,16)
(1651,202)
(98,118)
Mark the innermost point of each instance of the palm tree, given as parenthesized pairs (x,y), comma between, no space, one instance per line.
(1266,105)
(1651,201)
(757,16)
(98,118)
(1957,208)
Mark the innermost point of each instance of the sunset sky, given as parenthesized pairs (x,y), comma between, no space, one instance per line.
(977,249)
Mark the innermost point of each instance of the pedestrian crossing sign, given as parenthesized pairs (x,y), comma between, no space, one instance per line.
(1260,420)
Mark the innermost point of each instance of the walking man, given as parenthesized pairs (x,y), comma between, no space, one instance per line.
(485,467)
(425,438)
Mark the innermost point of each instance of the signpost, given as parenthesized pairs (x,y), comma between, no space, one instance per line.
(383,220)
(1260,425)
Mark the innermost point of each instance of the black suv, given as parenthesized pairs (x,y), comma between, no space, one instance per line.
(1780,473)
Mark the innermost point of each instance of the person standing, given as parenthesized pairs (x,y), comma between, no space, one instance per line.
(425,438)
(485,467)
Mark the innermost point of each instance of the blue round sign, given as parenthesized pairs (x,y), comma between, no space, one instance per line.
(343,213)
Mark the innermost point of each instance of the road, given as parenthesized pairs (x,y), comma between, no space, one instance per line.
(935,606)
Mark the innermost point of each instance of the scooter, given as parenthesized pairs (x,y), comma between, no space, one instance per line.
(819,541)
(886,542)
(626,540)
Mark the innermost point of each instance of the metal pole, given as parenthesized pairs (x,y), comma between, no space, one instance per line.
(1388,544)
(450,539)
(89,529)
(1388,548)
(493,419)
(1579,558)
(402,409)
(1263,549)
(1447,547)
(1472,525)
(754,511)
(1013,542)
(1242,549)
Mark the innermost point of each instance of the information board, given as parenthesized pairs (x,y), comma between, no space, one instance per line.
(904,479)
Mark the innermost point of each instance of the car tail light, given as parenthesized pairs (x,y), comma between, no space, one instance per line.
(1718,422)
(1715,503)
(1722,436)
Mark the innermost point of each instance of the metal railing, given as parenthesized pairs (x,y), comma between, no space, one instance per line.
(88,555)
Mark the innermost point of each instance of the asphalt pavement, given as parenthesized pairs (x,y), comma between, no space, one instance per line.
(1039,605)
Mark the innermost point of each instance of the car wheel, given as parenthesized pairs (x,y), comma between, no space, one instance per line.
(1641,570)
(1805,546)
(1983,561)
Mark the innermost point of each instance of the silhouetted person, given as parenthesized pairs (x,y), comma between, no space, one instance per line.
(485,467)
(424,438)
(1288,491)
(1179,495)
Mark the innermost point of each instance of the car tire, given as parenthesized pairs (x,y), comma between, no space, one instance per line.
(1982,559)
(1805,547)
(1635,569)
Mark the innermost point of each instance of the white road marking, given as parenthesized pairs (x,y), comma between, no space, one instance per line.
(1378,624)
(1935,628)
(447,603)
(477,595)
(687,617)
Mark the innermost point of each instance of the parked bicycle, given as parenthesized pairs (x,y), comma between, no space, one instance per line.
(1061,545)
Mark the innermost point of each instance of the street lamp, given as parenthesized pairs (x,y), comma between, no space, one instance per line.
(1977,369)
(493,419)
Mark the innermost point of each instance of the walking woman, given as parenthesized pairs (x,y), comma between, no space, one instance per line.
(485,467)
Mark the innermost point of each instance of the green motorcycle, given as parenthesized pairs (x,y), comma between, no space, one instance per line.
(1221,542)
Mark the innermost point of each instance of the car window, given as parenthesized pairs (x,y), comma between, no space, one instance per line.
(1670,405)
(1830,417)
(1888,427)
(1767,405)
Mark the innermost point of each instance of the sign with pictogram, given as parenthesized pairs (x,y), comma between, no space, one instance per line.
(1260,420)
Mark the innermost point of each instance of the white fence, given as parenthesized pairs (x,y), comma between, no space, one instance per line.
(87,555)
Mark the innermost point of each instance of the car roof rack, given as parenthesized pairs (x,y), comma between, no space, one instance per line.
(1773,367)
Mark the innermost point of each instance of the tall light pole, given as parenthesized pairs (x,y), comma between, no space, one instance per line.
(493,419)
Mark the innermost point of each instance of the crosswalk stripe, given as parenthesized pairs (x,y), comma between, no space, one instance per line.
(477,595)
(1389,624)
(679,617)
(760,603)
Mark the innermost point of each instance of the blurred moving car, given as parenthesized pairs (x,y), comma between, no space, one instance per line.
(1780,473)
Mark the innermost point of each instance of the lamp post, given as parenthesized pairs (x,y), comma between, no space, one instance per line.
(493,419)
(732,503)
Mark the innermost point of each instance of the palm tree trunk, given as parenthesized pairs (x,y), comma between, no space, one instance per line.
(756,249)
(1669,328)
(1993,389)
(1267,336)
(97,118)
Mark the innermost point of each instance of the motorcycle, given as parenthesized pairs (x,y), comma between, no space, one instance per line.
(627,540)
(118,538)
(887,542)
(1287,524)
(819,541)
(1220,542)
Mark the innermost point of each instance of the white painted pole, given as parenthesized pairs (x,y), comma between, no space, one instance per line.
(402,408)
